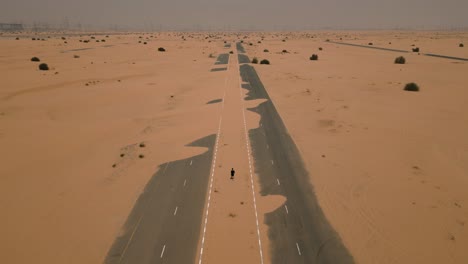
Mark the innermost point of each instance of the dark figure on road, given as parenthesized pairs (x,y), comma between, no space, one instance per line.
(232,173)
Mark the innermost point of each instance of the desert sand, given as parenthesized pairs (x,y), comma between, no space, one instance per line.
(389,167)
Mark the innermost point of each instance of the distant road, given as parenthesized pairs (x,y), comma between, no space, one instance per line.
(164,225)
(298,230)
(397,50)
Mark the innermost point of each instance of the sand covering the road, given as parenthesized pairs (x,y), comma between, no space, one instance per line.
(60,198)
(389,167)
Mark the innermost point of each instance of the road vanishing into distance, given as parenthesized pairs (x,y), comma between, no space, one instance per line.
(170,218)
(398,50)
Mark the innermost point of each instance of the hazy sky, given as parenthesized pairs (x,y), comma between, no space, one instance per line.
(254,14)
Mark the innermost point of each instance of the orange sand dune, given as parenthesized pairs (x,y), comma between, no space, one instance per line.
(389,167)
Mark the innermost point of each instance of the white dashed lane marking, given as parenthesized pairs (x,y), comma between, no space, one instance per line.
(191,162)
(185,182)
(212,170)
(298,249)
(162,252)
(286,207)
(247,143)
(278,182)
(175,211)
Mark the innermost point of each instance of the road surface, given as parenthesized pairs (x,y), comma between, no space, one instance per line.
(298,230)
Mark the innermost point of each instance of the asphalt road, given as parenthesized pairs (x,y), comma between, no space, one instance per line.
(402,51)
(240,48)
(298,230)
(164,225)
(222,59)
(243,58)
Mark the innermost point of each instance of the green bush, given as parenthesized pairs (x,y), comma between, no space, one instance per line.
(411,87)
(35,59)
(415,49)
(400,60)
(265,61)
(43,67)
(314,57)
(161,49)
(461,45)
(255,60)
(265,50)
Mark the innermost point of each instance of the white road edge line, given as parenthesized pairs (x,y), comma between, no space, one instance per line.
(162,252)
(298,249)
(213,165)
(247,142)
(175,211)
(130,239)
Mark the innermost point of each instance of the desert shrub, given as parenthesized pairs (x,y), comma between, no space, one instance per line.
(314,57)
(142,145)
(412,87)
(63,38)
(17,38)
(231,52)
(320,48)
(33,38)
(370,43)
(415,49)
(161,49)
(145,43)
(265,50)
(400,60)
(284,51)
(103,40)
(254,60)
(327,40)
(259,42)
(390,43)
(35,59)
(76,56)
(284,40)
(43,67)
(461,45)
(265,61)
